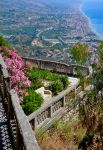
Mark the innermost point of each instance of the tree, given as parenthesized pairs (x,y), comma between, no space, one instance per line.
(80,53)
(3,42)
(98,71)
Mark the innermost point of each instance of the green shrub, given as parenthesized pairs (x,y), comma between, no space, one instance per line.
(3,42)
(36,85)
(43,74)
(64,80)
(32,102)
(56,87)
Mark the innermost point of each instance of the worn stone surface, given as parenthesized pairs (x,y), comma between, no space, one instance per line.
(29,140)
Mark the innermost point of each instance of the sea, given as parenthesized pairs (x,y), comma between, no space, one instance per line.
(93,9)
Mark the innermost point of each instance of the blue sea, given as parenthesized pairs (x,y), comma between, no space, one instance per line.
(93,9)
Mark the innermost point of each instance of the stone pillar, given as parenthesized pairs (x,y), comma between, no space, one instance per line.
(64,101)
(35,123)
(75,93)
(50,111)
(71,70)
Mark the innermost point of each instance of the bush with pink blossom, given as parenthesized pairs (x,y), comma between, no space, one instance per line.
(17,70)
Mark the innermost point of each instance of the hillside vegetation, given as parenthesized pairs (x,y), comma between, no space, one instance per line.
(85,132)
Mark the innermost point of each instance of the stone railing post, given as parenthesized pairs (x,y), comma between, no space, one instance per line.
(64,101)
(34,123)
(50,111)
(71,70)
(75,93)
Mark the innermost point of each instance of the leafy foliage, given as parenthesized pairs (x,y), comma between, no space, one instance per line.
(80,53)
(91,109)
(56,87)
(64,80)
(3,42)
(31,102)
(43,74)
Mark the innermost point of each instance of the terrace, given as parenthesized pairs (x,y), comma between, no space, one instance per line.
(15,129)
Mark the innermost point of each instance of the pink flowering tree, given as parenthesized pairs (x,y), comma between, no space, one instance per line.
(17,70)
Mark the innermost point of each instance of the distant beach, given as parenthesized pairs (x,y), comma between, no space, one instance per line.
(93,11)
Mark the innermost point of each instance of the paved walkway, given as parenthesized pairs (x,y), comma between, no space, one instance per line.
(6,142)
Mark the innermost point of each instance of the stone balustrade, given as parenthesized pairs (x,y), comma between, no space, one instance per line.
(54,109)
(23,136)
(57,66)
(45,116)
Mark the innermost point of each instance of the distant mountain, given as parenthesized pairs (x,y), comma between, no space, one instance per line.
(58,3)
(22,5)
(38,5)
(66,2)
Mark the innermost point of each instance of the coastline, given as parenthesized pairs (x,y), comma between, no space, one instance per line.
(100,37)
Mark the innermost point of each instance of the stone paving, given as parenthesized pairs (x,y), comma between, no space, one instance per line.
(6,142)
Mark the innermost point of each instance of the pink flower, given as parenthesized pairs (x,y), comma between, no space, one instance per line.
(21,92)
(17,69)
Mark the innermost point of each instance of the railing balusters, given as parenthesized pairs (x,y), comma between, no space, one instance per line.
(56,105)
